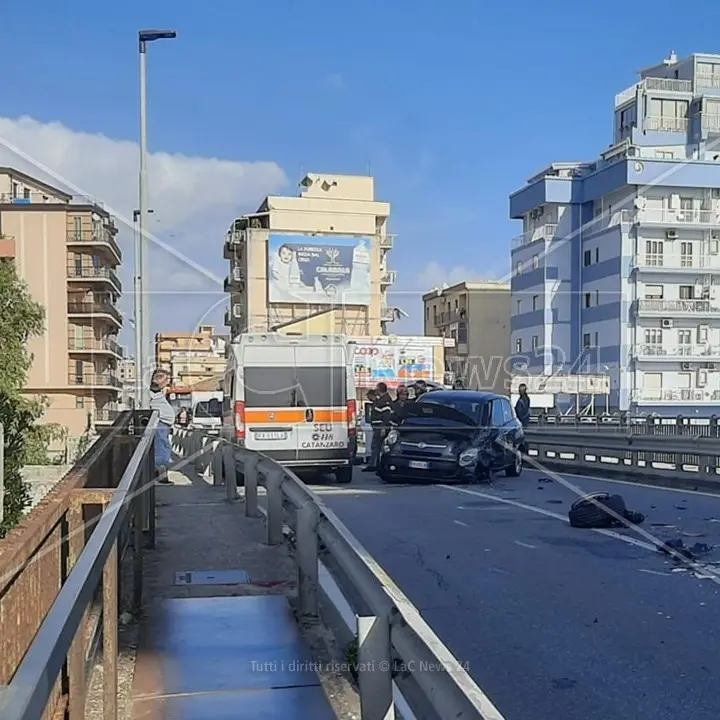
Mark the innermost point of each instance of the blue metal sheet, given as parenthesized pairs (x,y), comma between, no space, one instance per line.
(285,704)
(233,643)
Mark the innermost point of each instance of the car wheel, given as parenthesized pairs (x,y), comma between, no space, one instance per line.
(516,468)
(344,475)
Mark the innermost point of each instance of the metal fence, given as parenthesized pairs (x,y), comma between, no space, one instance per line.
(394,643)
(622,423)
(687,461)
(60,573)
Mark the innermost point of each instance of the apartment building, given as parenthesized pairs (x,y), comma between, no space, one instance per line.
(313,263)
(192,359)
(65,250)
(477,316)
(617,270)
(127,383)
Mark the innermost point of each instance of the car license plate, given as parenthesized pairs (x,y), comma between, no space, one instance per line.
(271,436)
(419,465)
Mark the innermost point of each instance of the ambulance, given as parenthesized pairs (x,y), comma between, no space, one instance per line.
(292,398)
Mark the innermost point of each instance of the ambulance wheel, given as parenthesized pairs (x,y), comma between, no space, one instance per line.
(344,474)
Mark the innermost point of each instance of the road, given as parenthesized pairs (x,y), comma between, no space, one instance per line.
(553,622)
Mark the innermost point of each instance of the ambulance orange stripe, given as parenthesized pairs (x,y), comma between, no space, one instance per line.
(294,417)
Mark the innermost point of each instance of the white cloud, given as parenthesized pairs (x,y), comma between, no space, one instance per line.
(194,199)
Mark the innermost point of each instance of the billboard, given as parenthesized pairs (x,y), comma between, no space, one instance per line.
(401,361)
(319,270)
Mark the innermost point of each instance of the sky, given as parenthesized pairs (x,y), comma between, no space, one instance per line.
(451,107)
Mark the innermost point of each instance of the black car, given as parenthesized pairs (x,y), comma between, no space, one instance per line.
(453,435)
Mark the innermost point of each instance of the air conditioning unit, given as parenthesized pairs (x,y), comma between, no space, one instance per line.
(671,234)
(237,274)
(685,366)
(237,310)
(716,192)
(666,323)
(709,366)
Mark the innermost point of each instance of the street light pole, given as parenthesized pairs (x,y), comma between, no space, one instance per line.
(144,348)
(137,312)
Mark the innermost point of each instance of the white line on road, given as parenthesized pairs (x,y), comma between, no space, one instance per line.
(461,523)
(527,545)
(654,572)
(548,513)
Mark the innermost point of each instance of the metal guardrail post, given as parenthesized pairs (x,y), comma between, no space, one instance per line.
(307,559)
(110,635)
(273,483)
(138,518)
(229,471)
(2,472)
(251,470)
(216,463)
(148,487)
(375,663)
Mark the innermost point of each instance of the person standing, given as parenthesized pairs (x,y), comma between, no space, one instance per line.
(522,406)
(402,399)
(380,418)
(159,402)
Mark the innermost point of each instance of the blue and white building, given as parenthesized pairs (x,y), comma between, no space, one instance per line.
(617,270)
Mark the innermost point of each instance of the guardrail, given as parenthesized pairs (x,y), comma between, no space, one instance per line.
(395,645)
(64,562)
(648,425)
(687,461)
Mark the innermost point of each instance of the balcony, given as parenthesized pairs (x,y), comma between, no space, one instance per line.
(91,379)
(94,307)
(660,308)
(235,281)
(387,314)
(92,345)
(103,238)
(450,316)
(386,242)
(678,353)
(105,416)
(655,123)
(91,272)
(544,232)
(681,217)
(653,83)
(234,243)
(707,80)
(649,262)
(674,395)
(387,278)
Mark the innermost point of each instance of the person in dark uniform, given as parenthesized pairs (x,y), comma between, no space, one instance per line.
(380,418)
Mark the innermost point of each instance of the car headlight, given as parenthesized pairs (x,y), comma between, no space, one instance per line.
(468,457)
(392,437)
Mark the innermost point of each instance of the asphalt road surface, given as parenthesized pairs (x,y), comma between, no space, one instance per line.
(554,622)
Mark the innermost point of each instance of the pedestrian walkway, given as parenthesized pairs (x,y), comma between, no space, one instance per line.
(219,640)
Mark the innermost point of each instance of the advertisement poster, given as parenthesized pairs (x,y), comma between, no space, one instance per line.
(394,364)
(319,270)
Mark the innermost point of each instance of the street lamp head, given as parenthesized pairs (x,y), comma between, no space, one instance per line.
(146,36)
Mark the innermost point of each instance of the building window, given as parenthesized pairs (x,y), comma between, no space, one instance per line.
(686,292)
(519,307)
(586,341)
(596,342)
(686,253)
(588,298)
(653,336)
(654,253)
(535,300)
(587,258)
(518,345)
(79,402)
(15,190)
(78,227)
(535,262)
(654,292)
(664,154)
(534,342)
(597,254)
(667,115)
(26,193)
(597,297)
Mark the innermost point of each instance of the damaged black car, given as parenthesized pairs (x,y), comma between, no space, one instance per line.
(453,436)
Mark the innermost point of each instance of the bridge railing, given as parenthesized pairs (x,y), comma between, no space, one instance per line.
(63,562)
(395,646)
(683,461)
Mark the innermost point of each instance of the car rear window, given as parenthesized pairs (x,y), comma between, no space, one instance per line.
(295,387)
(208,409)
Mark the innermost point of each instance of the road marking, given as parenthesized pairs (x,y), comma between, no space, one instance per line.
(654,572)
(461,523)
(526,545)
(642,485)
(710,574)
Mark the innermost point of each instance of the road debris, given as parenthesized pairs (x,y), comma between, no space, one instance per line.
(677,547)
(602,510)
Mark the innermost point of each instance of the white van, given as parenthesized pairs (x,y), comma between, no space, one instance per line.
(292,397)
(206,409)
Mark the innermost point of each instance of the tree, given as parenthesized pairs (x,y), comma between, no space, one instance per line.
(20,319)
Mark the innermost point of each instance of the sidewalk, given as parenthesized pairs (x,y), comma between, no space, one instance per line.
(219,639)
